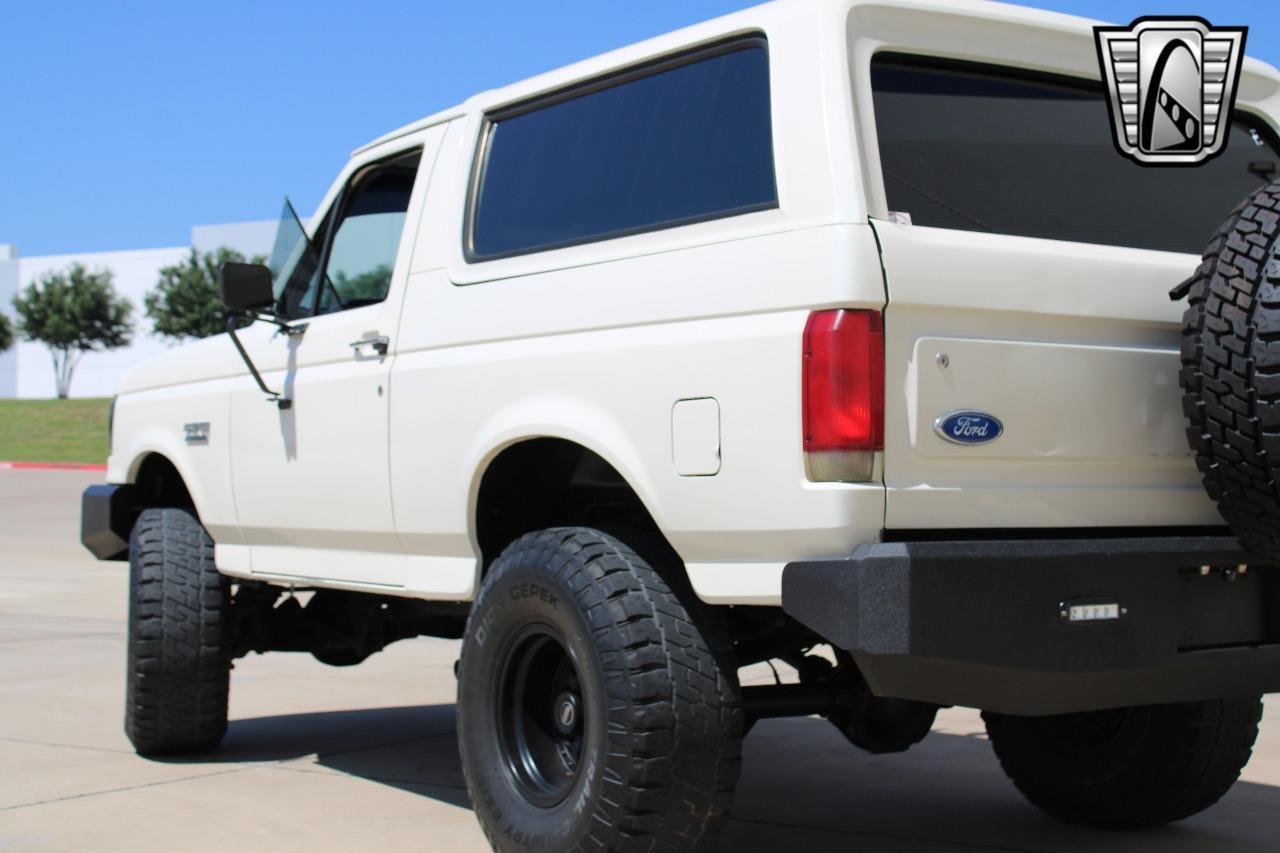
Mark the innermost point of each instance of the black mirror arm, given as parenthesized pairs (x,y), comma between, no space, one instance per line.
(233,322)
(290,329)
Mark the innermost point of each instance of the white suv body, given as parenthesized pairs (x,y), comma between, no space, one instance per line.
(370,481)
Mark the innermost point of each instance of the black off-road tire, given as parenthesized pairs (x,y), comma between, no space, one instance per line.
(179,661)
(661,725)
(1128,768)
(1231,370)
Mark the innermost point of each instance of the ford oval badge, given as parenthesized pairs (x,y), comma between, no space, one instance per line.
(969,427)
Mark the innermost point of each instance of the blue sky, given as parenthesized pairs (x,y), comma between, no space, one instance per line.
(124,124)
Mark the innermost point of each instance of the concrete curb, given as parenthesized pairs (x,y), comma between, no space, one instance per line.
(50,466)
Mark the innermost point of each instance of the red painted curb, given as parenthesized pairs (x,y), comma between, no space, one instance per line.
(51,466)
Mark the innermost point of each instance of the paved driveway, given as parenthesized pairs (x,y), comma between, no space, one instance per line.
(319,758)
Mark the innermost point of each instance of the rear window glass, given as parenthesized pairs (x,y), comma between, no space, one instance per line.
(979,148)
(676,145)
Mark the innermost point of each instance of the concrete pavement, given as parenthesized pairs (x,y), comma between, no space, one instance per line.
(318,758)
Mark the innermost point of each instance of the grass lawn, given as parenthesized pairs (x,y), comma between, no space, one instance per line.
(54,430)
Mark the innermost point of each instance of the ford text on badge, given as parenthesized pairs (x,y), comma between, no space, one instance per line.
(969,427)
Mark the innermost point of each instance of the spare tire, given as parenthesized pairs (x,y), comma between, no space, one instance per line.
(1230,373)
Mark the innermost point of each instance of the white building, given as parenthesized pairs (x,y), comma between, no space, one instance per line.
(26,370)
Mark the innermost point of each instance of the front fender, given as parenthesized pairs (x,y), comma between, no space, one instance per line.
(154,422)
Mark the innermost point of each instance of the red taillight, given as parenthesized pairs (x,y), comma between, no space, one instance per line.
(843,384)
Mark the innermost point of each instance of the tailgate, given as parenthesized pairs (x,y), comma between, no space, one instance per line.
(1072,348)
(1028,267)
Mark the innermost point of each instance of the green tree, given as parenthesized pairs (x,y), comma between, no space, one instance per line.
(73,311)
(185,303)
(364,288)
(6,333)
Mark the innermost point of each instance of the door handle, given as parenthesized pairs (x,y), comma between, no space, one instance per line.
(380,344)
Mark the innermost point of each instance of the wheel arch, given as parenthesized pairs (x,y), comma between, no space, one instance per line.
(111,511)
(547,480)
(160,483)
(145,449)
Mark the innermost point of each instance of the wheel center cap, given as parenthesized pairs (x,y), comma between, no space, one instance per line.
(566,712)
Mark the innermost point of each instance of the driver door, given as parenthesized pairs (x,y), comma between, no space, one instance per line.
(311,480)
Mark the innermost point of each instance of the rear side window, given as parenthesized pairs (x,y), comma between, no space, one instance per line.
(675,143)
(979,148)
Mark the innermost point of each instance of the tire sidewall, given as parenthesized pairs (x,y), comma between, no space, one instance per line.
(520,592)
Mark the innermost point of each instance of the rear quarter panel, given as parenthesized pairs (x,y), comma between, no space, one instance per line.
(596,343)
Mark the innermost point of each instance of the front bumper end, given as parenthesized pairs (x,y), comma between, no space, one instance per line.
(1048,626)
(107,514)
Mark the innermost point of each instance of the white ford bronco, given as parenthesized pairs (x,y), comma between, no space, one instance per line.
(833,333)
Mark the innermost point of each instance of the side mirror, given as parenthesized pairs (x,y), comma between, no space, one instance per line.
(246,288)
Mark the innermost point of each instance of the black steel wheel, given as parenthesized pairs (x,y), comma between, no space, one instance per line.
(541,722)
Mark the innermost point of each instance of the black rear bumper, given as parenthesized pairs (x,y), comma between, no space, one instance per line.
(107,513)
(981,623)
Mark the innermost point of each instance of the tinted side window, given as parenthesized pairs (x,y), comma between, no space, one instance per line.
(679,145)
(363,251)
(981,149)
